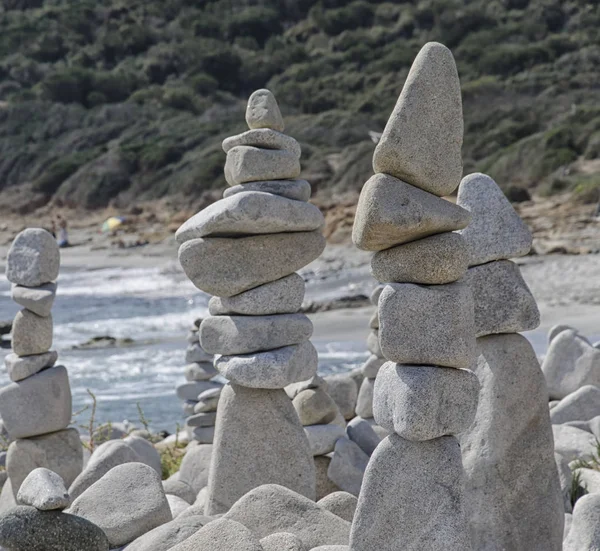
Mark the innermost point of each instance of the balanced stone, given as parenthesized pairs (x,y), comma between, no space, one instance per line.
(202,420)
(31,334)
(195,354)
(391,212)
(401,391)
(246,334)
(421,143)
(33,258)
(37,405)
(44,490)
(191,391)
(252,164)
(201,371)
(263,111)
(322,438)
(208,400)
(280,455)
(21,367)
(283,296)
(364,402)
(145,450)
(316,381)
(430,325)
(251,212)
(227,267)
(315,407)
(38,300)
(342,504)
(496,231)
(202,435)
(372,366)
(264,138)
(503,302)
(347,466)
(299,190)
(434,260)
(581,405)
(271,369)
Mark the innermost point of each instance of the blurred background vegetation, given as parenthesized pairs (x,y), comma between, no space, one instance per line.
(122,101)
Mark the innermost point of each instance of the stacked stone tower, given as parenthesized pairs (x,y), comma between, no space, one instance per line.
(411,497)
(245,249)
(36,406)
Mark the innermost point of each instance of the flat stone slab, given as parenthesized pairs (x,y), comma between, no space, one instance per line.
(21,367)
(272,369)
(496,231)
(581,405)
(347,467)
(38,300)
(421,143)
(251,213)
(230,335)
(264,138)
(33,258)
(226,266)
(252,164)
(202,420)
(191,391)
(503,301)
(322,438)
(31,334)
(422,402)
(434,260)
(315,407)
(283,296)
(44,490)
(391,212)
(37,405)
(260,430)
(208,400)
(431,325)
(263,111)
(299,190)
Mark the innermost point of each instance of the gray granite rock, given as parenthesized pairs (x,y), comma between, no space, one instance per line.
(581,405)
(195,353)
(430,325)
(221,535)
(202,419)
(188,407)
(373,344)
(585,528)
(249,213)
(573,443)
(434,260)
(512,492)
(324,485)
(503,301)
(7,498)
(372,366)
(496,231)
(33,258)
(364,402)
(201,435)
(341,504)
(316,381)
(60,452)
(125,503)
(21,367)
(260,430)
(420,483)
(347,466)
(299,190)
(252,164)
(38,300)
(44,490)
(176,505)
(422,140)
(27,529)
(590,480)
(282,541)
(315,407)
(180,489)
(391,212)
(322,438)
(208,400)
(265,138)
(145,451)
(200,371)
(568,523)
(270,509)
(226,267)
(168,535)
(263,111)
(195,466)
(565,478)
(270,369)
(363,435)
(191,391)
(374,320)
(37,405)
(342,388)
(420,402)
(31,334)
(331,548)
(555,330)
(230,335)
(283,296)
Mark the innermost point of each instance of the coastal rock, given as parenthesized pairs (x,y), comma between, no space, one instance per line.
(180,489)
(252,164)
(316,381)
(322,438)
(21,367)
(347,466)
(33,258)
(176,505)
(44,490)
(195,354)
(585,527)
(282,541)
(229,335)
(581,405)
(363,435)
(430,325)
(341,504)
(283,296)
(401,391)
(324,485)
(251,212)
(200,371)
(298,190)
(342,388)
(315,407)
(145,451)
(503,301)
(434,260)
(191,391)
(226,267)
(573,443)
(125,503)
(270,369)
(391,212)
(372,366)
(261,424)
(37,405)
(263,111)
(38,300)
(202,419)
(270,509)
(221,535)
(496,231)
(208,400)
(167,536)
(364,402)
(31,334)
(422,140)
(264,138)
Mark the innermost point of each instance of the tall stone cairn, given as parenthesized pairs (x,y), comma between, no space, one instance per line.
(36,406)
(512,491)
(245,249)
(411,497)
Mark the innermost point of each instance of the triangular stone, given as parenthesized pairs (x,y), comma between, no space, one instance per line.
(496,231)
(421,143)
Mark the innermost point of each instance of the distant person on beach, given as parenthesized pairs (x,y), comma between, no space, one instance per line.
(63,238)
(53,228)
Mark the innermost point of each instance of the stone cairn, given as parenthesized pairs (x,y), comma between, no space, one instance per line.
(512,490)
(244,250)
(36,406)
(200,395)
(411,497)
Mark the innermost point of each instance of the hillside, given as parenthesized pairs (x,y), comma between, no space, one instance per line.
(124,101)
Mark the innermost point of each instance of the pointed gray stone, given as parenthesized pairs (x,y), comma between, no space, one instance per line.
(38,300)
(44,490)
(21,367)
(31,334)
(263,111)
(347,466)
(33,258)
(252,164)
(299,190)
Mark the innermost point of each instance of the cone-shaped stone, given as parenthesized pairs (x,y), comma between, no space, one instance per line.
(263,111)
(421,143)
(496,231)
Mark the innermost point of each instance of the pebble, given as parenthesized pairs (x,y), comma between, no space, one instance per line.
(263,111)
(573,443)
(31,334)
(180,489)
(33,258)
(373,345)
(299,190)
(202,435)
(38,300)
(44,490)
(252,164)
(347,466)
(316,381)
(324,485)
(176,505)
(146,452)
(315,407)
(264,138)
(21,367)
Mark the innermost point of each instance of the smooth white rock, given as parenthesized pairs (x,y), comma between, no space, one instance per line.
(263,111)
(33,258)
(581,405)
(38,300)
